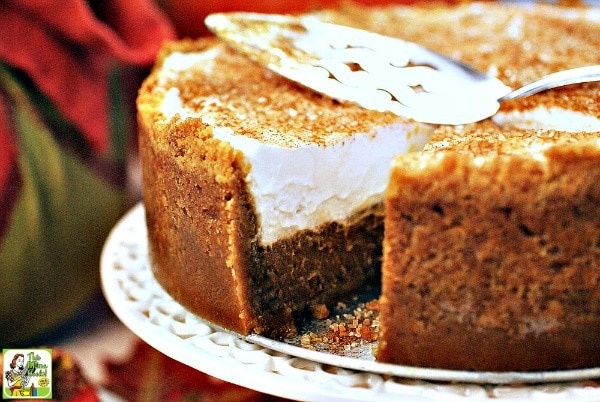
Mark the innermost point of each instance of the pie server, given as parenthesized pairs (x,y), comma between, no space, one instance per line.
(375,71)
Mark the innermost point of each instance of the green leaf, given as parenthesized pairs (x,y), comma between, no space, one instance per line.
(49,255)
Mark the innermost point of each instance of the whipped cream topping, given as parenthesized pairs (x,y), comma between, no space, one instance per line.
(307,185)
(298,188)
(553,118)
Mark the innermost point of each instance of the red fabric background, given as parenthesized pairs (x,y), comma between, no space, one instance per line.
(66,48)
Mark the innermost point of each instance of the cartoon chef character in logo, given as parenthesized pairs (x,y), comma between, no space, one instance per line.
(17,378)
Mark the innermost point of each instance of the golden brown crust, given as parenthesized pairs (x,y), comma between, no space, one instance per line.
(198,221)
(490,244)
(196,211)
